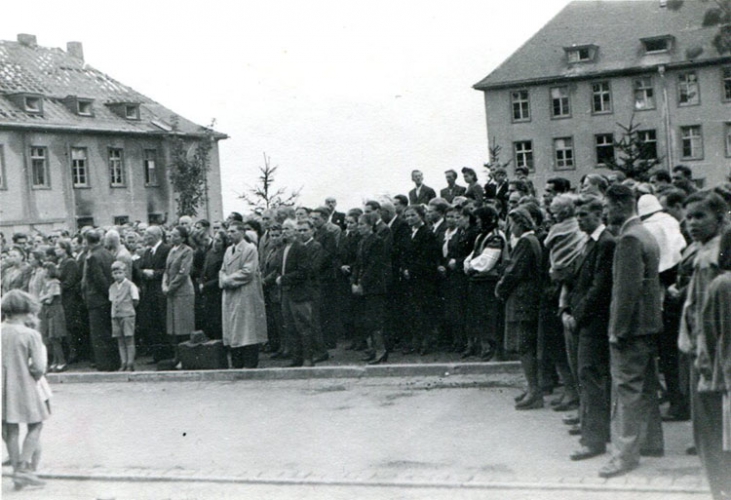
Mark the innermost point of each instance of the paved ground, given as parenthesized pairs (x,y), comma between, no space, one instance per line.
(344,438)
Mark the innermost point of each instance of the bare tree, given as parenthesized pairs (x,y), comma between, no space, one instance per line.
(264,195)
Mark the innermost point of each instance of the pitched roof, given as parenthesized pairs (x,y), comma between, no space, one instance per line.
(56,74)
(616,28)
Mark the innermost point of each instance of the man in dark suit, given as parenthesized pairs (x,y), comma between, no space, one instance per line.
(436,210)
(152,311)
(335,217)
(635,319)
(327,275)
(95,283)
(422,193)
(319,268)
(452,190)
(588,314)
(400,234)
(298,296)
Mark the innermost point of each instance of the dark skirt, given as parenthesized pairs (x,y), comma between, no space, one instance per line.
(484,311)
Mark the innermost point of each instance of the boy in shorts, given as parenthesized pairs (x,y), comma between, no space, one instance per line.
(124,297)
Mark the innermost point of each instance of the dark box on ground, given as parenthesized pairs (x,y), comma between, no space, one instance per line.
(209,355)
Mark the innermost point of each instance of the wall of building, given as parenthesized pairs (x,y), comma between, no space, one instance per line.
(23,207)
(712,114)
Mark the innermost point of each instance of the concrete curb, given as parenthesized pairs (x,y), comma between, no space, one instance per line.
(659,485)
(318,372)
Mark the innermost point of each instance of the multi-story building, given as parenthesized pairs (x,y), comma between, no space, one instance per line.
(79,148)
(558,102)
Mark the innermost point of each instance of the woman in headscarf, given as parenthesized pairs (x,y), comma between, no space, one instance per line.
(483,267)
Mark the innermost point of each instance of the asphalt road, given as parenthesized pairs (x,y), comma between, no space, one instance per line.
(454,437)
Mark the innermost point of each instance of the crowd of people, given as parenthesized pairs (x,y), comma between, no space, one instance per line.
(588,286)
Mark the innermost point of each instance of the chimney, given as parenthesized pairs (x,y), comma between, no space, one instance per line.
(75,49)
(27,40)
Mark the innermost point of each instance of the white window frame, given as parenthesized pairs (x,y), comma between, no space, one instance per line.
(604,90)
(563,156)
(563,100)
(84,108)
(689,90)
(39,158)
(520,103)
(644,138)
(80,167)
(523,155)
(3,179)
(727,130)
(644,93)
(132,111)
(117,177)
(149,165)
(603,144)
(726,83)
(691,136)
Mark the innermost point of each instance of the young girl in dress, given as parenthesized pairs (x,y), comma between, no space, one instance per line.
(53,320)
(24,363)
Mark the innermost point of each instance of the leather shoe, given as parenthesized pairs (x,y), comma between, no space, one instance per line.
(369,356)
(322,357)
(691,450)
(520,397)
(295,364)
(575,430)
(615,468)
(379,359)
(567,406)
(571,420)
(532,403)
(586,452)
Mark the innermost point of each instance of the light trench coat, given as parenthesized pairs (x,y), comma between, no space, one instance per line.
(244,316)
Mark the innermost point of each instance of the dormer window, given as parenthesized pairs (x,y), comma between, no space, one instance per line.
(132,111)
(33,104)
(658,44)
(83,108)
(580,53)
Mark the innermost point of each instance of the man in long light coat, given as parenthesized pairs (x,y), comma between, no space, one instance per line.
(244,315)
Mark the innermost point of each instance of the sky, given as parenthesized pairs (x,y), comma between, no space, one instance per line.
(345,97)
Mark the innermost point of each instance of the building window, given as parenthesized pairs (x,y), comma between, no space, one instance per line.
(560,102)
(688,92)
(601,98)
(563,153)
(580,54)
(150,167)
(2,168)
(116,167)
(121,220)
(604,148)
(521,105)
(658,45)
(79,167)
(132,111)
(39,167)
(727,135)
(649,144)
(33,104)
(726,92)
(524,154)
(644,94)
(692,142)
(83,221)
(83,108)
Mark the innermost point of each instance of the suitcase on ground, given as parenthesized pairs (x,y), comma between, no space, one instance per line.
(209,355)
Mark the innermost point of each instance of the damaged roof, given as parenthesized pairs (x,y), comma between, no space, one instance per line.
(26,68)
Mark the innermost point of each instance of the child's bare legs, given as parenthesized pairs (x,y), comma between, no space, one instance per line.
(130,352)
(122,346)
(58,357)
